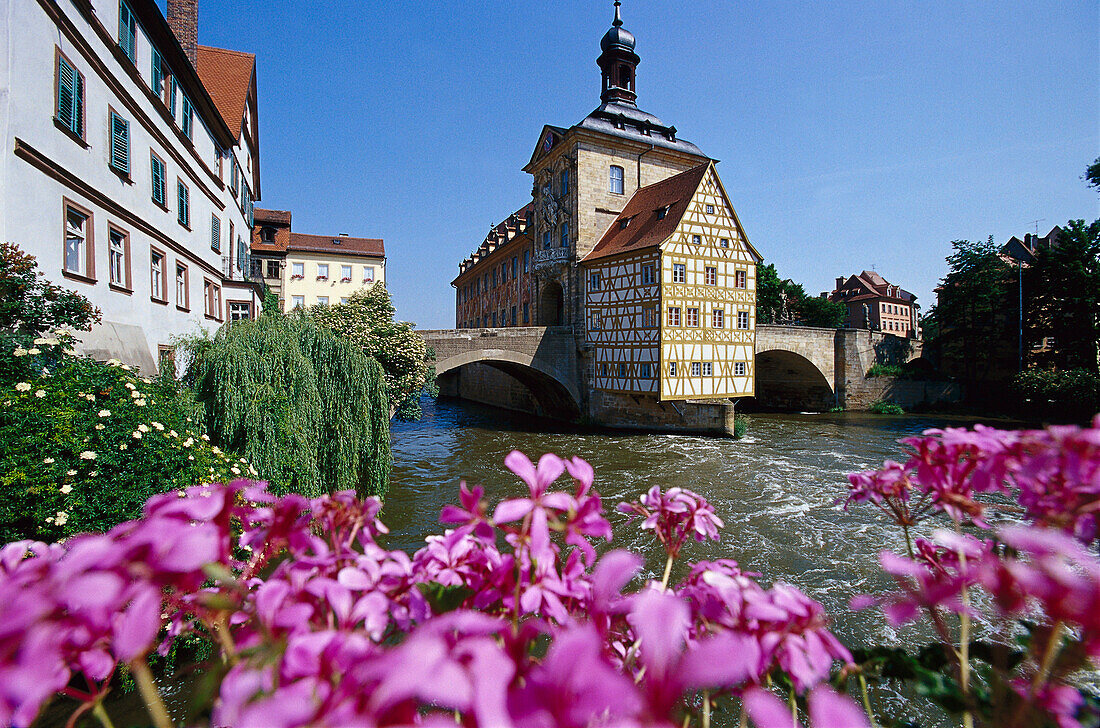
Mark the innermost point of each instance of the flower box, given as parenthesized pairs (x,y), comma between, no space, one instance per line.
(322,278)
(345,280)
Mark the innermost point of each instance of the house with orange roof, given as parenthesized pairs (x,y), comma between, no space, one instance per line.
(131,166)
(876,304)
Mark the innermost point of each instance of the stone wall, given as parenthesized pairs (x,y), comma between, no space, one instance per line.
(645,412)
(487,385)
(908,393)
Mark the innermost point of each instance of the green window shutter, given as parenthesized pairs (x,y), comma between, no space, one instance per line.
(186,122)
(156,74)
(120,143)
(66,93)
(158,179)
(184,204)
(215,234)
(127,28)
(172,98)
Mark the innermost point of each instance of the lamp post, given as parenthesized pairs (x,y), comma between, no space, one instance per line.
(1020,352)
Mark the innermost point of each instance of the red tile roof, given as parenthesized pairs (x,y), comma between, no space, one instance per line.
(337,244)
(227,76)
(645,230)
(279,217)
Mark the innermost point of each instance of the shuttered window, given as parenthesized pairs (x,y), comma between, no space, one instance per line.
(187,117)
(70,97)
(158,176)
(172,98)
(156,73)
(215,234)
(120,144)
(127,30)
(184,196)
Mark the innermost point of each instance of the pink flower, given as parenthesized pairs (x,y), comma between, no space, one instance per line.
(674,515)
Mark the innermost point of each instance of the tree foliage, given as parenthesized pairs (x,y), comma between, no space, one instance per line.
(367,320)
(786,302)
(306,407)
(1092,174)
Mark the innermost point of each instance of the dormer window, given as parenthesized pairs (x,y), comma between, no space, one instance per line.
(267,235)
(661,212)
(623,223)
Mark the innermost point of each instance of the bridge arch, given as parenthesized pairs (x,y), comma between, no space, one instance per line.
(787,380)
(554,392)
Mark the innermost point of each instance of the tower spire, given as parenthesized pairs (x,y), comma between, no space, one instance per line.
(618,18)
(618,62)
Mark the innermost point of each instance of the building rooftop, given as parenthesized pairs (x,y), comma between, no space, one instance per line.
(227,76)
(512,227)
(869,285)
(337,245)
(627,121)
(645,228)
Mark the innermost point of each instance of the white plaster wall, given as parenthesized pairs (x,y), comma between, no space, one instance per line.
(310,288)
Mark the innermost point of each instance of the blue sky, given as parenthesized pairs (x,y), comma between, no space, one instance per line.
(850,135)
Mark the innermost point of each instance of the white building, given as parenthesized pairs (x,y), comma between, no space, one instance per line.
(129,167)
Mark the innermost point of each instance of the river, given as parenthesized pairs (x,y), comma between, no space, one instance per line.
(776,489)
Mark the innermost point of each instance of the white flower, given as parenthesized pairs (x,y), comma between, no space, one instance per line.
(23,387)
(215,450)
(235,470)
(130,385)
(71,472)
(87,455)
(172,433)
(147,380)
(139,402)
(62,518)
(160,427)
(51,342)
(34,350)
(143,427)
(20,351)
(105,413)
(137,434)
(66,489)
(126,367)
(48,461)
(189,442)
(113,362)
(40,393)
(49,520)
(190,457)
(40,340)
(93,473)
(135,394)
(123,446)
(204,437)
(99,426)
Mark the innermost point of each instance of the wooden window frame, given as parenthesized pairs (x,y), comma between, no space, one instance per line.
(682,269)
(88,276)
(124,174)
(649,274)
(163,297)
(229,305)
(184,209)
(216,223)
(212,299)
(127,284)
(741,279)
(76,137)
(294,299)
(611,179)
(674,321)
(710,275)
(740,365)
(166,353)
(162,204)
(718,319)
(696,369)
(691,313)
(747,319)
(185,306)
(672,369)
(132,54)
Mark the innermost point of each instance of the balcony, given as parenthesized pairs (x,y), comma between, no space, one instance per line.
(242,268)
(551,258)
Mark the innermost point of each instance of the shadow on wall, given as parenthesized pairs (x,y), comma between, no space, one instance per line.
(788,381)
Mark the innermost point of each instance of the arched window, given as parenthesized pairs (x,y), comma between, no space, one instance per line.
(616,179)
(565,235)
(268,235)
(624,77)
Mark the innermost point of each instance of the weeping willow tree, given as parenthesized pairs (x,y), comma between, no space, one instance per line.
(307,408)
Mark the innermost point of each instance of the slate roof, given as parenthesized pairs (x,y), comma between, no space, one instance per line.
(627,121)
(645,230)
(336,244)
(227,76)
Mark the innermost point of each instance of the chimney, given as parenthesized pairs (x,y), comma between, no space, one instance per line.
(343,235)
(183,19)
(839,282)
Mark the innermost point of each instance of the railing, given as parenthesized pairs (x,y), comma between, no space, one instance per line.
(551,256)
(242,268)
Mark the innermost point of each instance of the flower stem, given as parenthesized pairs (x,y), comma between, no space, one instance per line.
(794,709)
(101,713)
(867,701)
(149,693)
(908,539)
(706,709)
(1053,643)
(668,572)
(964,646)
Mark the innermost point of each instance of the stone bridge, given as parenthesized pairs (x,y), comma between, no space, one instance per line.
(797,368)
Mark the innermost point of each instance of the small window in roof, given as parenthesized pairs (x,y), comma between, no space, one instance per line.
(623,223)
(661,212)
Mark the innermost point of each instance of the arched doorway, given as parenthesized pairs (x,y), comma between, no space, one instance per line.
(788,381)
(551,304)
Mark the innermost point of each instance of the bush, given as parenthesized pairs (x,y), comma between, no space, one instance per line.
(305,406)
(882,407)
(83,448)
(887,370)
(740,426)
(1072,395)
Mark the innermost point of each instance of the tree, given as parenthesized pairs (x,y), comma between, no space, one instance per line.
(367,320)
(818,311)
(1063,297)
(976,313)
(785,302)
(306,407)
(1092,174)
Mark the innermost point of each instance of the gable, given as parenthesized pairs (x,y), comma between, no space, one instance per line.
(549,141)
(712,226)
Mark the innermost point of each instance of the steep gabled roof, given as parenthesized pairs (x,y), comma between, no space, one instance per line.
(645,229)
(336,245)
(227,76)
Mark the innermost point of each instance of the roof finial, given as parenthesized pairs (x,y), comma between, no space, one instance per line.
(618,18)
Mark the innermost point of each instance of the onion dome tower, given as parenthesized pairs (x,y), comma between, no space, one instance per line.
(618,62)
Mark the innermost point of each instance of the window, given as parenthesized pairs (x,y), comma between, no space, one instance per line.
(70,97)
(673,315)
(345,274)
(368,274)
(157,174)
(322,271)
(697,239)
(127,30)
(215,234)
(594,281)
(597,320)
(297,270)
(183,290)
(78,242)
(515,267)
(322,300)
(526,313)
(649,317)
(118,258)
(344,300)
(234,178)
(661,212)
(672,369)
(718,318)
(742,319)
(156,74)
(624,223)
(739,368)
(494,277)
(157,282)
(739,279)
(526,260)
(494,319)
(240,310)
(692,317)
(603,369)
(184,198)
(564,182)
(646,370)
(710,209)
(622,369)
(648,274)
(298,301)
(565,235)
(724,243)
(696,369)
(212,293)
(172,98)
(166,360)
(708,369)
(546,239)
(187,117)
(120,144)
(679,273)
(513,315)
(616,179)
(710,276)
